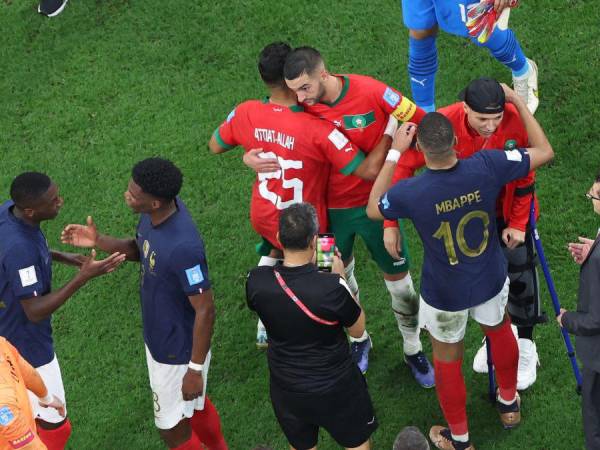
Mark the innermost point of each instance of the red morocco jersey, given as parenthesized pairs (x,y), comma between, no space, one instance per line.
(362,111)
(307,149)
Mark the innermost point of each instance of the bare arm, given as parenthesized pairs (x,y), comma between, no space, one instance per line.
(204,307)
(402,141)
(357,329)
(70,259)
(214,146)
(540,151)
(370,167)
(39,308)
(88,236)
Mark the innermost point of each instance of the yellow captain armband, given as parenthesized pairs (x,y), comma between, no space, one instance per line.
(405,110)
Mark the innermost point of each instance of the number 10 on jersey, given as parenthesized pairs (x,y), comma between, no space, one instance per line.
(444,232)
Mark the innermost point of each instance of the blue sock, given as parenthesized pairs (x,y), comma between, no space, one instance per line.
(422,67)
(505,47)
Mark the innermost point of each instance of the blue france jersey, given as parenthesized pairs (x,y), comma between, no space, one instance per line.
(454,212)
(173,267)
(25,272)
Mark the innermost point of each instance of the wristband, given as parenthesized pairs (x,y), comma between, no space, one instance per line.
(391,127)
(393,155)
(195,367)
(47,399)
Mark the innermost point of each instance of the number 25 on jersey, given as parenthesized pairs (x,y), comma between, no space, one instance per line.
(295,184)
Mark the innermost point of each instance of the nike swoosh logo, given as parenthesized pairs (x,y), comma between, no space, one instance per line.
(371,421)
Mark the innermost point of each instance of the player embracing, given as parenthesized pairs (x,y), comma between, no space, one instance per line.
(487,119)
(360,106)
(177,302)
(424,18)
(453,207)
(294,153)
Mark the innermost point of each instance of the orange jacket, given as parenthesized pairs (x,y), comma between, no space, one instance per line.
(515,199)
(17,426)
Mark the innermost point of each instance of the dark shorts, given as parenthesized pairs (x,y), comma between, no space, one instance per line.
(346,412)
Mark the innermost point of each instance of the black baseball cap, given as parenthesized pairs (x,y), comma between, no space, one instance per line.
(484,95)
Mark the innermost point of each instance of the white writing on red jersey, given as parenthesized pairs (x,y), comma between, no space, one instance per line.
(275,137)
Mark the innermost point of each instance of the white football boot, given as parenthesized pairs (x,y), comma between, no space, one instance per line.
(526,86)
(528,362)
(480,360)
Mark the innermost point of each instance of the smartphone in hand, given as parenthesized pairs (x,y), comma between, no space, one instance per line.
(325,251)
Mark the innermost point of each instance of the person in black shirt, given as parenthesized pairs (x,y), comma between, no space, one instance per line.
(313,381)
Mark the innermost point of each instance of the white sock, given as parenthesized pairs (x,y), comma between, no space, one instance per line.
(405,304)
(260,328)
(363,338)
(267,261)
(351,279)
(264,261)
(506,402)
(461,437)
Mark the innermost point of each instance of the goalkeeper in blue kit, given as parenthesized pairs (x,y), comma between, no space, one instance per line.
(424,18)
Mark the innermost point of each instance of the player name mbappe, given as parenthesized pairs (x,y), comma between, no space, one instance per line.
(458,202)
(276,137)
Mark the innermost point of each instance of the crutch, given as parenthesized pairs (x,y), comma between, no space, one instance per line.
(491,378)
(553,295)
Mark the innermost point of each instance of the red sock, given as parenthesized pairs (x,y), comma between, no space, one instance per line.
(452,394)
(505,356)
(193,443)
(55,439)
(207,425)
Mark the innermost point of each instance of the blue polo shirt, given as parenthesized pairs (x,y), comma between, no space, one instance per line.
(173,267)
(454,212)
(25,272)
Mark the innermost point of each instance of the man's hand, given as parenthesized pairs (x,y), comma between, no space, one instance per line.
(560,315)
(56,404)
(80,235)
(192,385)
(338,265)
(580,250)
(404,136)
(92,268)
(513,237)
(509,94)
(260,164)
(392,242)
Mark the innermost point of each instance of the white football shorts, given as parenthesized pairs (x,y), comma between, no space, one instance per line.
(165,382)
(50,373)
(450,326)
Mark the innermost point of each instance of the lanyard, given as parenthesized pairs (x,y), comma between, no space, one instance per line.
(299,303)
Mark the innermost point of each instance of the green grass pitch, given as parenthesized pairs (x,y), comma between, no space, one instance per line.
(109,82)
